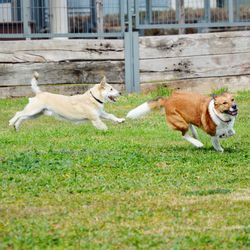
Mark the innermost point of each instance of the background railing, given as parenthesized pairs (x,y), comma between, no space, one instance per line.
(23,19)
(61,18)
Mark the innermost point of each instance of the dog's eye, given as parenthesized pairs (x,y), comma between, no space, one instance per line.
(232,100)
(225,103)
(111,89)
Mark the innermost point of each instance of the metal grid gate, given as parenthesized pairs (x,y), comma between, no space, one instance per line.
(124,19)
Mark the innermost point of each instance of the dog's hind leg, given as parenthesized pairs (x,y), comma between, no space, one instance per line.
(32,110)
(193,131)
(14,118)
(24,118)
(193,141)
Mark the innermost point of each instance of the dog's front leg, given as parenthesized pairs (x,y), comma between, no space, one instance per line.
(216,144)
(99,124)
(111,117)
(193,131)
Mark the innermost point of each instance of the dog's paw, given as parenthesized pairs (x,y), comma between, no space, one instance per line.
(219,149)
(121,120)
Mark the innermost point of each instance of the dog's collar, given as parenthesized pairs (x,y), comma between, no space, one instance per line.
(217,118)
(96,98)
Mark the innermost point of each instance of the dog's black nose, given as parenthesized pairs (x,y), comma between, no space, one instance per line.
(234,106)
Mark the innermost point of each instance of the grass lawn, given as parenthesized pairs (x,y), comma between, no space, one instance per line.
(137,186)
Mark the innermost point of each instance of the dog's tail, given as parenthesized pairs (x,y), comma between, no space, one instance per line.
(33,82)
(146,107)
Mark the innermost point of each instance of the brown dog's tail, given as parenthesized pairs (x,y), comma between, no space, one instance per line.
(146,107)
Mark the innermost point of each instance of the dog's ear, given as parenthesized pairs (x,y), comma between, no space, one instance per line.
(103,82)
(214,96)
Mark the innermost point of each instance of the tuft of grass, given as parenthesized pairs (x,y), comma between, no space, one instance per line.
(219,91)
(136,186)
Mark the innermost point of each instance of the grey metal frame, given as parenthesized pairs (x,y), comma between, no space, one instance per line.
(26,34)
(208,24)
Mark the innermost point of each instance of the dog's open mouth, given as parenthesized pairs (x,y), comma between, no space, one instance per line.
(112,98)
(232,113)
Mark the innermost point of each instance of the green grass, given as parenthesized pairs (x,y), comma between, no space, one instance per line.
(137,186)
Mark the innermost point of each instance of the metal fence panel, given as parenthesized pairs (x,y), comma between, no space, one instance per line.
(169,14)
(61,18)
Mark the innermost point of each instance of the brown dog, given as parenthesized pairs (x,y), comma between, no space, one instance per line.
(185,110)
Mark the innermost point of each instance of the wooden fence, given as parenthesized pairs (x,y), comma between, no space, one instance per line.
(199,62)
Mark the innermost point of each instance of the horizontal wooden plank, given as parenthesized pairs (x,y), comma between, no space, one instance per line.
(60,50)
(66,89)
(203,85)
(193,67)
(62,73)
(194,45)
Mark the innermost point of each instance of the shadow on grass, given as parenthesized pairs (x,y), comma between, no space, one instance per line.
(208,192)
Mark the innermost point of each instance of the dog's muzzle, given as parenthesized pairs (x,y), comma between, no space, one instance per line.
(112,98)
(233,111)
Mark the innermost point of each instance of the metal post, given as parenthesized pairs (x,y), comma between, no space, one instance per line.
(122,15)
(149,11)
(207,7)
(237,6)
(26,18)
(92,15)
(99,16)
(59,17)
(180,14)
(230,11)
(131,39)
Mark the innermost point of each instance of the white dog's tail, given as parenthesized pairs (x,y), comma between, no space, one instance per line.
(33,82)
(146,107)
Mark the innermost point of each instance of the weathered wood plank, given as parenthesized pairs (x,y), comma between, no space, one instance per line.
(203,85)
(62,73)
(65,89)
(193,67)
(60,50)
(194,45)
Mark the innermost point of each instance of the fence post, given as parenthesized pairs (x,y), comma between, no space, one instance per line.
(207,7)
(26,18)
(99,16)
(180,14)
(131,39)
(149,11)
(230,11)
(122,15)
(59,17)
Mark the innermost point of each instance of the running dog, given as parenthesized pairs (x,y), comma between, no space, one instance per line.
(186,110)
(77,108)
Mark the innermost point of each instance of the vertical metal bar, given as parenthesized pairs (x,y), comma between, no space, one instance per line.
(149,11)
(99,16)
(237,6)
(130,15)
(128,49)
(181,16)
(230,11)
(136,62)
(128,59)
(25,17)
(207,7)
(132,81)
(137,13)
(93,15)
(122,15)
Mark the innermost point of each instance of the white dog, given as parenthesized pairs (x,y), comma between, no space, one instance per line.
(77,108)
